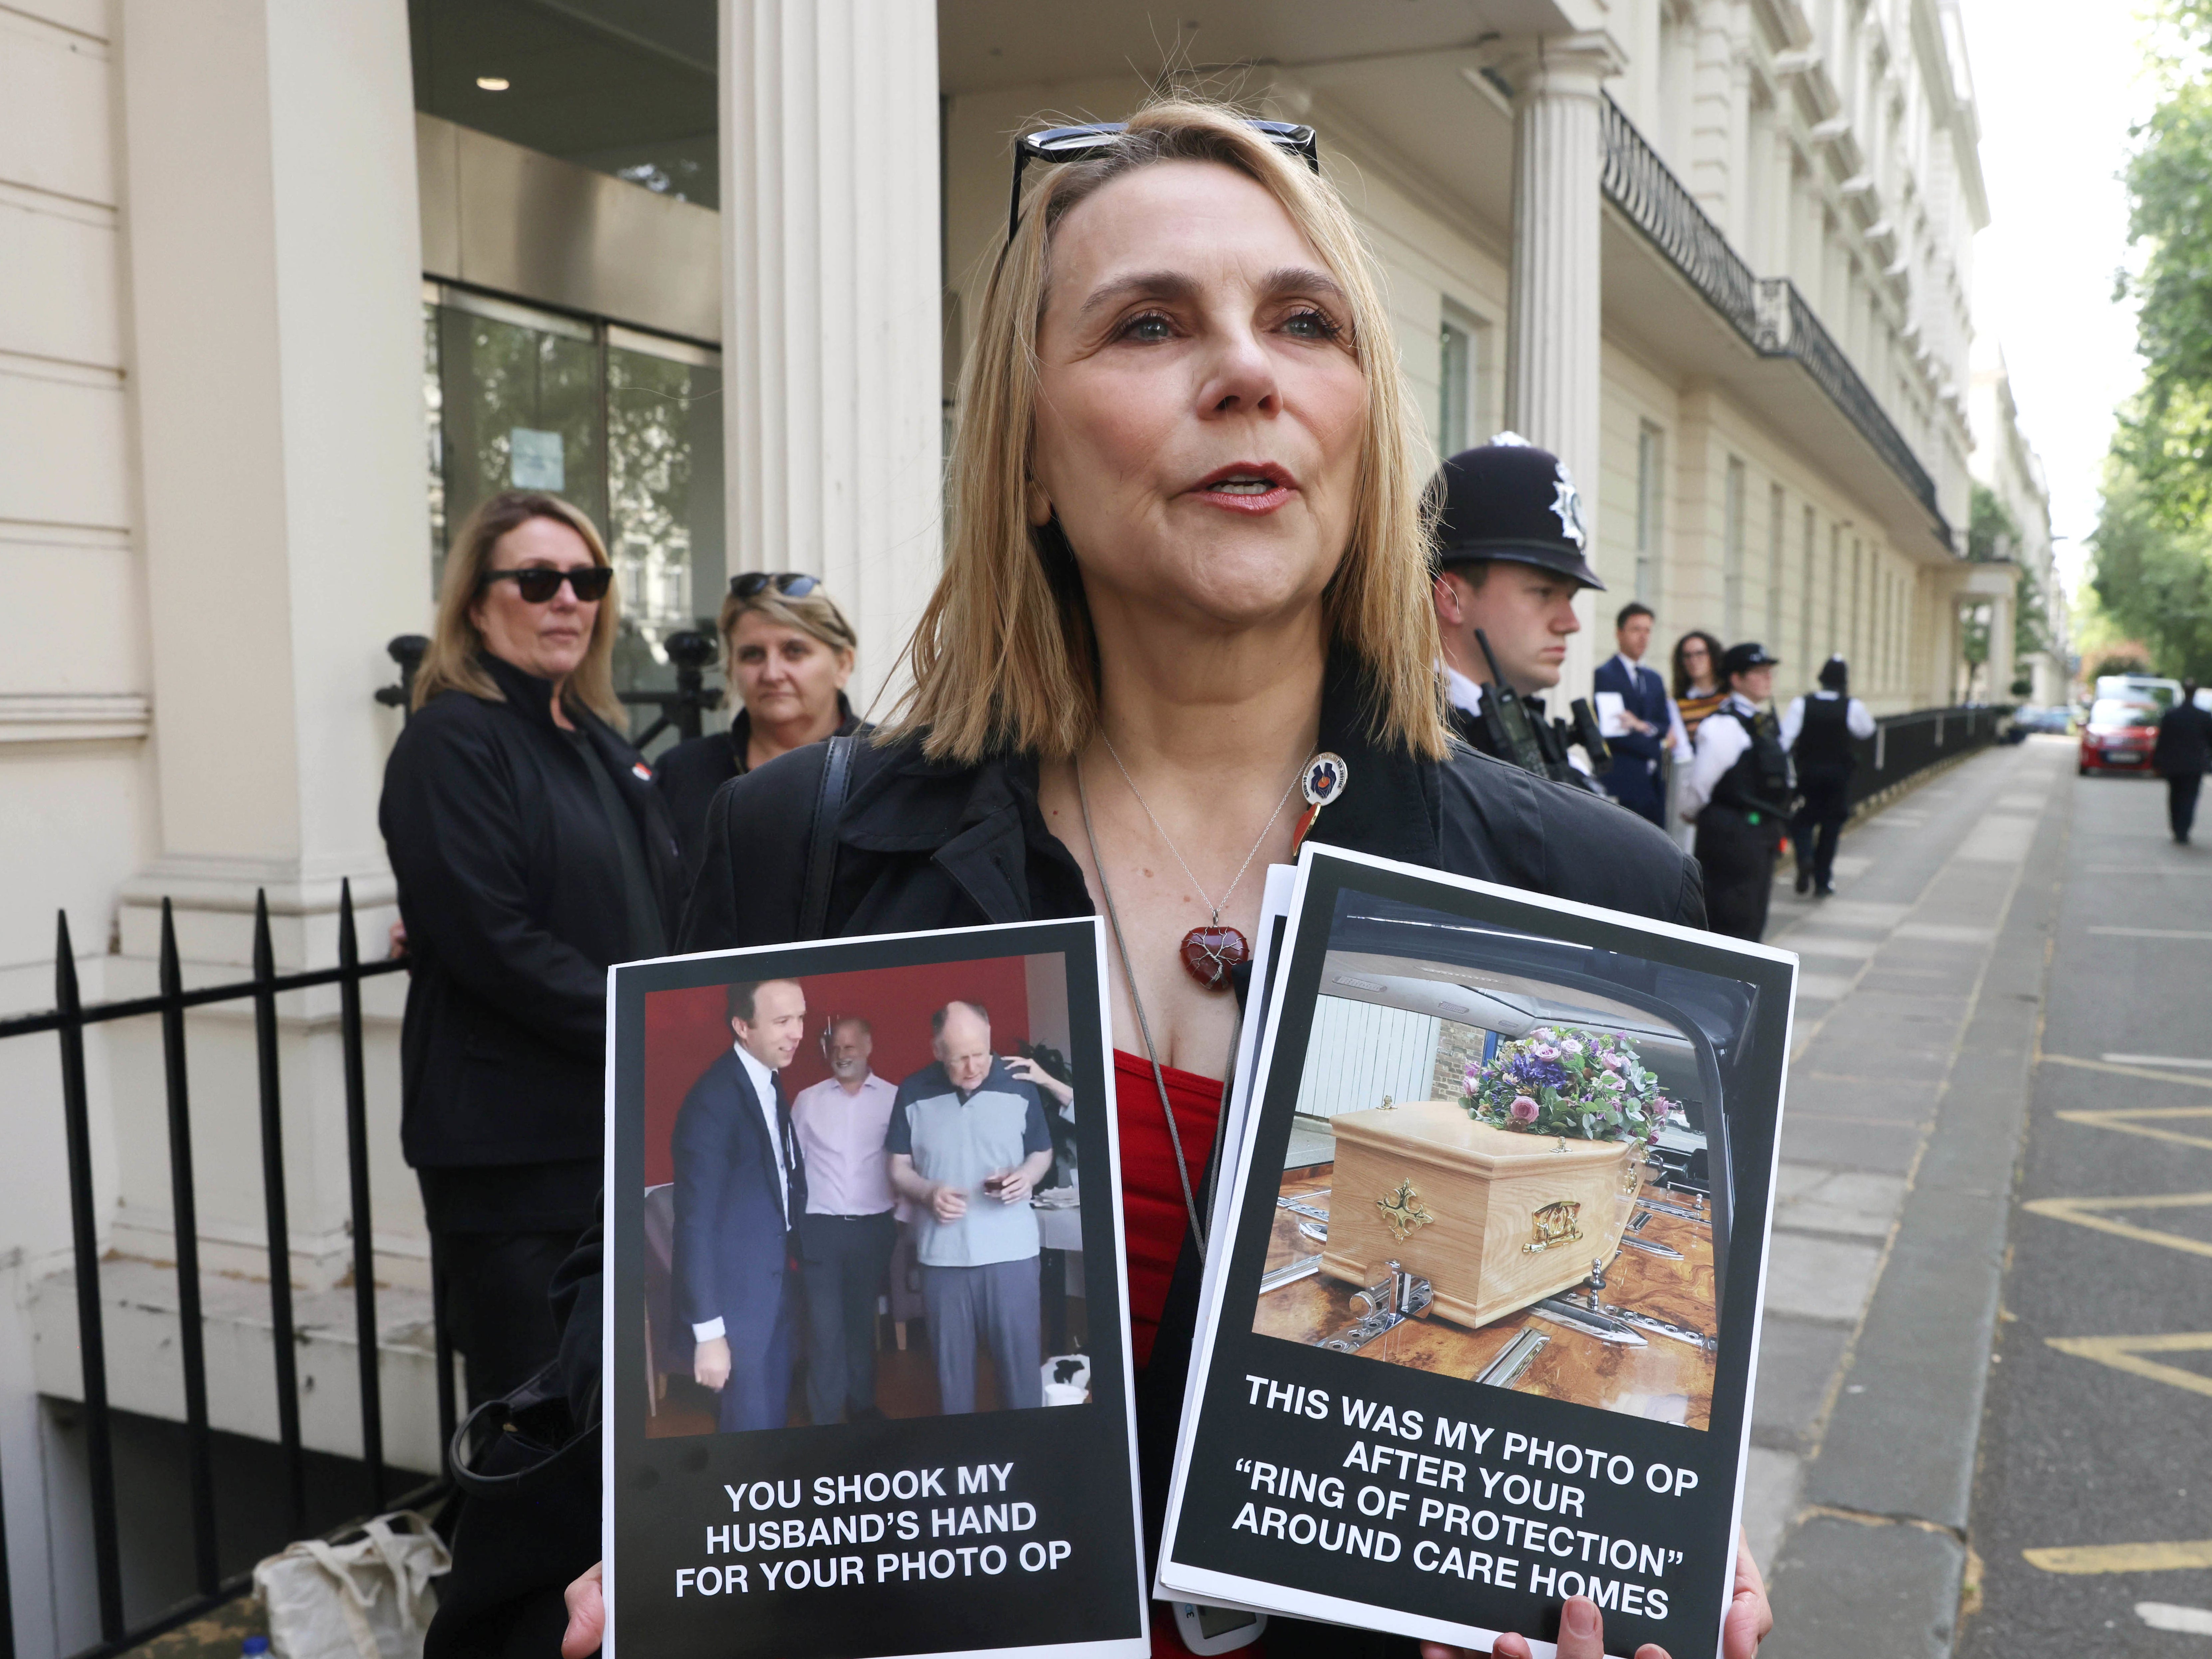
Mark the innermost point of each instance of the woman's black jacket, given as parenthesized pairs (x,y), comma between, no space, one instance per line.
(689,773)
(923,844)
(510,889)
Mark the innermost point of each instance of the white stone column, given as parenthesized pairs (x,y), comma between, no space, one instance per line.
(1552,377)
(273,339)
(276,340)
(2002,657)
(832,285)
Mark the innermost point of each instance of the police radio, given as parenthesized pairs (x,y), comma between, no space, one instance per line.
(1512,731)
(1591,735)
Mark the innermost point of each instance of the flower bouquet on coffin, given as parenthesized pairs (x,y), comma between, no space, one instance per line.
(1578,1085)
(1507,1195)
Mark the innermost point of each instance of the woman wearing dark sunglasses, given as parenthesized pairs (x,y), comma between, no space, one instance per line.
(789,652)
(531,850)
(1187,559)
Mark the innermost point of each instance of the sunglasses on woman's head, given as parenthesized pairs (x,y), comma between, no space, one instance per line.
(792,584)
(540,582)
(1083,144)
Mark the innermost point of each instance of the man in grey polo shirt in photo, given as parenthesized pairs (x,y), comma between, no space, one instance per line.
(968,1143)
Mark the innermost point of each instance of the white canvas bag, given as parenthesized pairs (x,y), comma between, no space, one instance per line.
(367,1599)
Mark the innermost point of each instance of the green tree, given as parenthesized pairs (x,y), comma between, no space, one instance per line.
(2153,574)
(1991,532)
(2152,580)
(2167,434)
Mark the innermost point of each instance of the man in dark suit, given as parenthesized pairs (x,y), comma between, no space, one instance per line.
(1647,717)
(2182,754)
(740,1186)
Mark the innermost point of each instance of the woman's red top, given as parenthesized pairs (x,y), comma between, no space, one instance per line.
(1154,1218)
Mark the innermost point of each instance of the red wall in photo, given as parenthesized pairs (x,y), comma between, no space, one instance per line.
(686,1031)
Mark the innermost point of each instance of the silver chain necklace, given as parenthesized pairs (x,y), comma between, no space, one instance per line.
(1209,952)
(1129,969)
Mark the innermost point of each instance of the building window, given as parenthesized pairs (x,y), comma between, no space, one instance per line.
(626,425)
(1462,379)
(1835,590)
(1858,606)
(1776,534)
(1651,492)
(1878,585)
(1732,553)
(1805,604)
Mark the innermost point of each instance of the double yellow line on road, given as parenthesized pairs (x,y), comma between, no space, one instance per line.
(2127,1353)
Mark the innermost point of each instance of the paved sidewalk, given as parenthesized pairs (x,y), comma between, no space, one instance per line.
(1919,989)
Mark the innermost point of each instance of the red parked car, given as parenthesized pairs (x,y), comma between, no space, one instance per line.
(2119,736)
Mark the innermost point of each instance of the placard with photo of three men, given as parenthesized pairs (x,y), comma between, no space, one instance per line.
(864,1214)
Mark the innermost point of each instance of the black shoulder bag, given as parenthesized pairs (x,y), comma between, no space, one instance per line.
(822,847)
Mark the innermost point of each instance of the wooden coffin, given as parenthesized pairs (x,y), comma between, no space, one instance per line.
(1493,1219)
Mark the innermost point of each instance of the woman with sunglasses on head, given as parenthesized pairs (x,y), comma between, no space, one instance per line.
(531,850)
(1185,593)
(788,651)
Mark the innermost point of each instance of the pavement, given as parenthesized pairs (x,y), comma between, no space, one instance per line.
(1921,987)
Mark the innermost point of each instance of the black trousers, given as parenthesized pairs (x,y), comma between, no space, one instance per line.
(496,1309)
(1738,859)
(1818,825)
(499,1231)
(2181,789)
(841,1263)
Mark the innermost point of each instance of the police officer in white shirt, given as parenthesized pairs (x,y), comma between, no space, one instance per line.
(1739,796)
(1817,731)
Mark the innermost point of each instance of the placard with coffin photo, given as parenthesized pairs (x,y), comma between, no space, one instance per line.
(863,1228)
(1483,1331)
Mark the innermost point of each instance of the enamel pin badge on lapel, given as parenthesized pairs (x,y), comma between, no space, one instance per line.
(1326,778)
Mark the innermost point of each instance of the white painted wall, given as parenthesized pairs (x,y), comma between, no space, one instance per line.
(75,795)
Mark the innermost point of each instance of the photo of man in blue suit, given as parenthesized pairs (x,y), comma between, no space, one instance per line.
(740,1186)
(1649,724)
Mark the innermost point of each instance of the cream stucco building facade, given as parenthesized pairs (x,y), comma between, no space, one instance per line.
(1715,252)
(2005,464)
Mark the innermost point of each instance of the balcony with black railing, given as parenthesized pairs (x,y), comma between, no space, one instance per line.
(1770,312)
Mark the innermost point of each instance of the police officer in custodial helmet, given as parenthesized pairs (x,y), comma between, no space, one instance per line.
(1511,554)
(1739,794)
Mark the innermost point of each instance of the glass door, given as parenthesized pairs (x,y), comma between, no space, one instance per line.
(626,425)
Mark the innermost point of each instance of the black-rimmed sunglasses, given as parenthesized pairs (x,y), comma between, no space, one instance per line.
(1053,144)
(792,584)
(540,582)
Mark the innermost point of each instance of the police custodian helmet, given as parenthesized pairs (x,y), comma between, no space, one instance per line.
(1742,659)
(1509,499)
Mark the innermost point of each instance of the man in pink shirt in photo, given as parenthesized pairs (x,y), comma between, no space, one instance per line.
(845,1238)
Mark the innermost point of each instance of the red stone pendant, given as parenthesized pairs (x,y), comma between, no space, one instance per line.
(1210,952)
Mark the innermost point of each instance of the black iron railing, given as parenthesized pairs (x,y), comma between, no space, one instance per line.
(691,650)
(1905,744)
(1645,188)
(1769,312)
(1798,334)
(68,1021)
